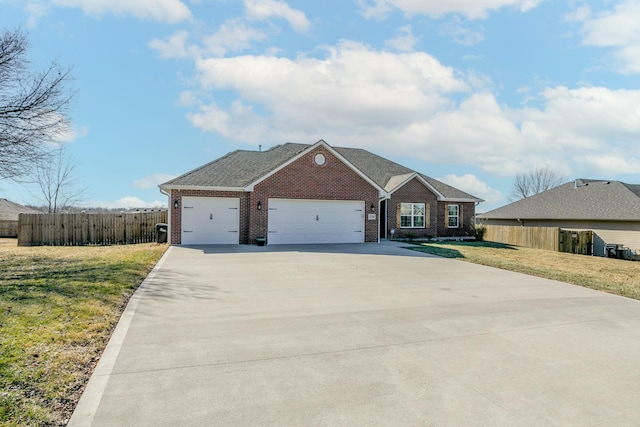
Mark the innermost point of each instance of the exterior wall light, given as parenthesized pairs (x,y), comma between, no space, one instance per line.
(373,208)
(176,204)
(259,206)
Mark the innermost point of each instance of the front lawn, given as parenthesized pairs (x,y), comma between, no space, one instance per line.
(609,275)
(58,308)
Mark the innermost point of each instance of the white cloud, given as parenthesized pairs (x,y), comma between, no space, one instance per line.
(232,36)
(607,164)
(187,98)
(472,185)
(351,77)
(266,9)
(405,41)
(36,11)
(152,181)
(128,202)
(460,34)
(409,104)
(169,11)
(240,123)
(580,14)
(175,46)
(472,9)
(618,29)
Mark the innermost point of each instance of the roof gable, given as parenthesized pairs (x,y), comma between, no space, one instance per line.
(399,181)
(330,149)
(581,199)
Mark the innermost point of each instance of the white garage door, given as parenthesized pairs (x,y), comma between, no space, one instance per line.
(315,221)
(210,221)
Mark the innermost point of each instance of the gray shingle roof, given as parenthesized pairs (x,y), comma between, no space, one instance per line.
(589,200)
(9,211)
(241,167)
(238,168)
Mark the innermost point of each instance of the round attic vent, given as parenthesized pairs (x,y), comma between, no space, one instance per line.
(319,159)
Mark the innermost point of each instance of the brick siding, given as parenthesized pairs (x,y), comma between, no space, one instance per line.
(303,179)
(436,225)
(413,192)
(467,210)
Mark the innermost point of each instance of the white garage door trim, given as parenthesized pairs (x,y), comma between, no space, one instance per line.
(298,221)
(210,220)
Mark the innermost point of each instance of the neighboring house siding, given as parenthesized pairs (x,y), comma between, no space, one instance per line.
(466,216)
(176,214)
(629,238)
(625,233)
(413,192)
(303,179)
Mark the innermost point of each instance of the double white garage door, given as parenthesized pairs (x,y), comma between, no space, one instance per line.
(214,220)
(315,221)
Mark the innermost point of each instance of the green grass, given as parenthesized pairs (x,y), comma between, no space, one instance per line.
(609,275)
(58,308)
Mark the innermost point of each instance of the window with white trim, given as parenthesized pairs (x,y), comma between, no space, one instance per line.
(454,216)
(412,215)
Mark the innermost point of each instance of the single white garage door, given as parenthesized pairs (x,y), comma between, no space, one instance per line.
(210,221)
(315,221)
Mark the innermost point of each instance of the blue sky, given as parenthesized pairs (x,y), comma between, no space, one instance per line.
(470,92)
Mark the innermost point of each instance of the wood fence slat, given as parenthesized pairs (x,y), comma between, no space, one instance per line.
(549,238)
(530,237)
(88,229)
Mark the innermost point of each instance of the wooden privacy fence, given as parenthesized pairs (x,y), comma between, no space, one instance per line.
(8,228)
(76,229)
(549,238)
(529,237)
(576,242)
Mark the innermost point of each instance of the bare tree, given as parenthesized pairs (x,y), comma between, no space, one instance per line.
(56,181)
(534,182)
(33,107)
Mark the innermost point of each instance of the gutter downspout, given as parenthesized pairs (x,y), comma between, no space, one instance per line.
(380,200)
(169,214)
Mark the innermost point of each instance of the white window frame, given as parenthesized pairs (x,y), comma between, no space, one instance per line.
(414,216)
(456,216)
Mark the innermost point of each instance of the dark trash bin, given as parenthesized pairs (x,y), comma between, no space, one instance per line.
(161,233)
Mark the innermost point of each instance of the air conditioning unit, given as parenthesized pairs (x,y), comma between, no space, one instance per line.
(613,250)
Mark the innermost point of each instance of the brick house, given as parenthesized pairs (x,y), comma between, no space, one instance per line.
(298,193)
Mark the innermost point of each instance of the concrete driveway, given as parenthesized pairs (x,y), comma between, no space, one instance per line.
(362,335)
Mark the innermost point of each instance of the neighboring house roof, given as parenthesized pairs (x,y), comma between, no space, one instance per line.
(582,199)
(9,211)
(241,168)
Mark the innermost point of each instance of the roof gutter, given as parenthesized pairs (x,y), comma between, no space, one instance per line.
(201,187)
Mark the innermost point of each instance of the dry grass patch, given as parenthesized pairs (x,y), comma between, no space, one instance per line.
(610,275)
(58,307)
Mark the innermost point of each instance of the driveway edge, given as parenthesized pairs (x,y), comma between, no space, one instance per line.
(90,400)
